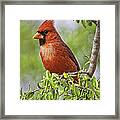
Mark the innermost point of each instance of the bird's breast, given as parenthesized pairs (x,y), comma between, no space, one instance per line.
(47,52)
(56,58)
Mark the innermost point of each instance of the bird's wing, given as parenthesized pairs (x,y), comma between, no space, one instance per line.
(71,55)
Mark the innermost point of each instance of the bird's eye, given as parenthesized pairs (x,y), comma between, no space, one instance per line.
(46,31)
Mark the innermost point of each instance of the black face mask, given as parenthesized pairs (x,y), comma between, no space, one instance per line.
(43,40)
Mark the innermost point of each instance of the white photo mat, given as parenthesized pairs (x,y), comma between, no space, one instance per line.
(15,106)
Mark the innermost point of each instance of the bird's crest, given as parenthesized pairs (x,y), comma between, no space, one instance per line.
(47,24)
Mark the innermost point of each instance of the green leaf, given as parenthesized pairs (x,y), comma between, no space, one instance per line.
(97,93)
(86,84)
(88,62)
(89,22)
(83,23)
(65,75)
(92,94)
(77,21)
(48,75)
(67,98)
(95,83)
(38,85)
(77,91)
(29,95)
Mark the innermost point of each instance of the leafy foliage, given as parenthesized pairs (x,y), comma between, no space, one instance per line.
(62,87)
(86,23)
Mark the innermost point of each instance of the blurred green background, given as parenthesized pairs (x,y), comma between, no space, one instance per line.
(78,38)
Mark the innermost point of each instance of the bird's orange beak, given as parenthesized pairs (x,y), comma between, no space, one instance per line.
(38,36)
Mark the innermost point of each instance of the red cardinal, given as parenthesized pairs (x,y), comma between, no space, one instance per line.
(56,55)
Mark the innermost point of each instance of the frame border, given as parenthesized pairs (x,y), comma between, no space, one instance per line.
(2,60)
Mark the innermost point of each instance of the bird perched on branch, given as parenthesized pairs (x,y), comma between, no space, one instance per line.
(56,55)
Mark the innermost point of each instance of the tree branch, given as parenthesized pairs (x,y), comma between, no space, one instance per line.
(95,50)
